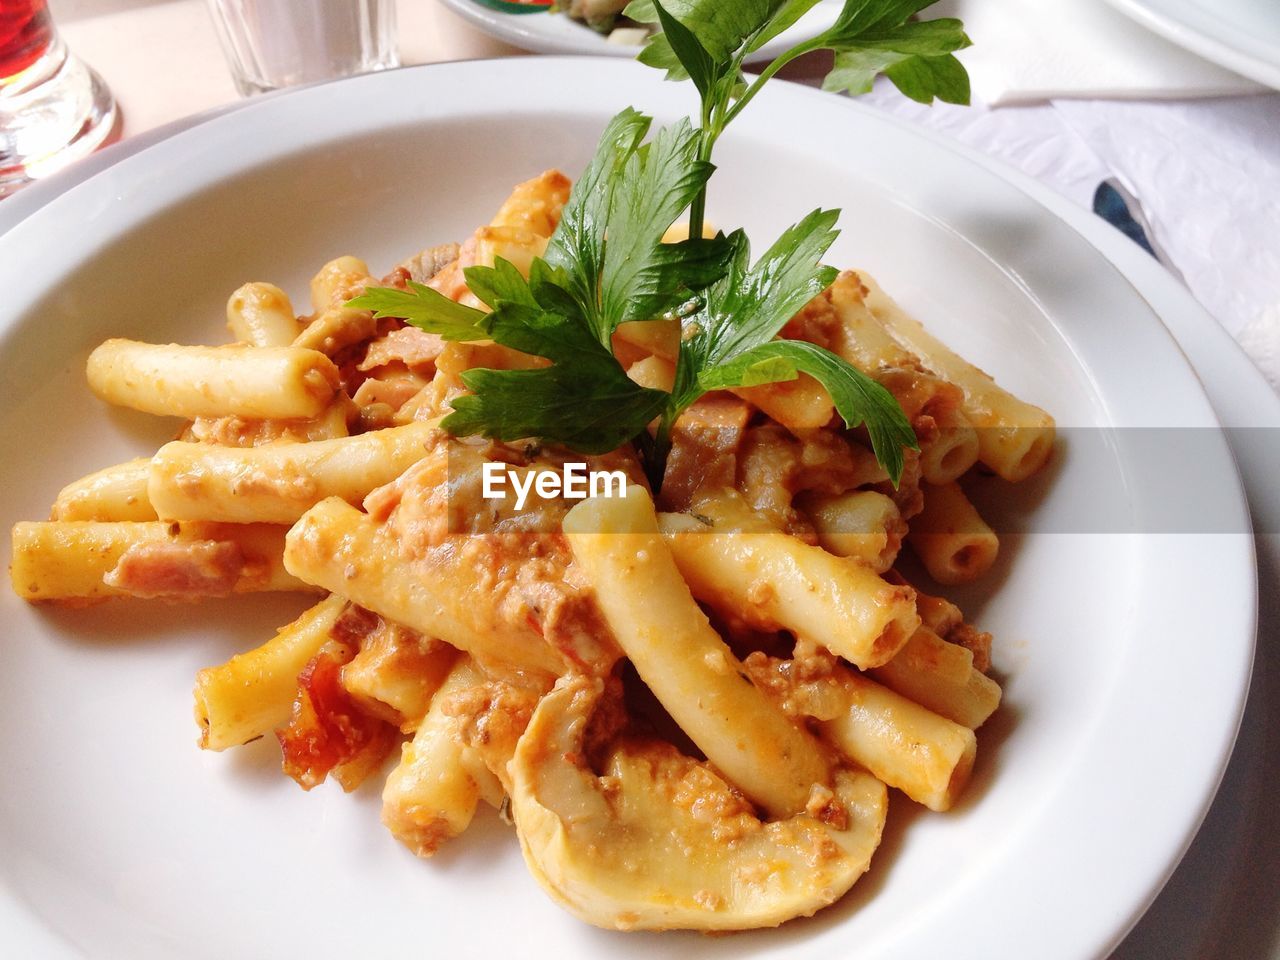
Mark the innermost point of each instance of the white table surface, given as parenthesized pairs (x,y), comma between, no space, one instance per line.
(1208,173)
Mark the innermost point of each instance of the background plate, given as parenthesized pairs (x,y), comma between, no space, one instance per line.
(555,33)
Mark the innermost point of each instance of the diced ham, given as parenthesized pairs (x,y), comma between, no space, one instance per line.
(705,441)
(183,570)
(408,345)
(425,264)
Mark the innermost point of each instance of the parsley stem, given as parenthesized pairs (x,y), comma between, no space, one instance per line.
(654,450)
(768,72)
(698,209)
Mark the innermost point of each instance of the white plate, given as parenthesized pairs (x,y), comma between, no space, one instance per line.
(1241,35)
(544,32)
(118,837)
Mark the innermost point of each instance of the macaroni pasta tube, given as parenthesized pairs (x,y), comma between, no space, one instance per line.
(942,677)
(862,525)
(337,547)
(261,314)
(774,581)
(88,560)
(335,329)
(905,745)
(113,493)
(396,672)
(278,483)
(952,541)
(171,380)
(1015,438)
(799,404)
(861,338)
(535,205)
(952,451)
(252,693)
(431,795)
(337,282)
(927,757)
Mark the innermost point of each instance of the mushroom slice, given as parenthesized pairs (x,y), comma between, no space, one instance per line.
(661,841)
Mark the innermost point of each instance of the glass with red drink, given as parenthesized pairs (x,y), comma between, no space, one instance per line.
(53,108)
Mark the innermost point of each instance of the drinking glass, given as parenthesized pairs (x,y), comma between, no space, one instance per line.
(279,43)
(53,109)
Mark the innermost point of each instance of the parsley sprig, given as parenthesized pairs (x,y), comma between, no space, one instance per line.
(707,41)
(606,264)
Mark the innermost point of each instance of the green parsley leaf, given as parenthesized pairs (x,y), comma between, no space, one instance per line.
(606,264)
(870,37)
(858,398)
(692,55)
(501,282)
(578,244)
(642,276)
(658,53)
(720,27)
(584,399)
(923,78)
(609,241)
(876,37)
(730,341)
(751,304)
(783,19)
(424,308)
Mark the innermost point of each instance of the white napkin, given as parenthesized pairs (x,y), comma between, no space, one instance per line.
(1207,177)
(1029,50)
(1261,341)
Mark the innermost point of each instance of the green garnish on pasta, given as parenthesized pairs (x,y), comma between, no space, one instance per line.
(606,263)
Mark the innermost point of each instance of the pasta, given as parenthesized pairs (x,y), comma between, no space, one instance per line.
(777,582)
(694,698)
(953,541)
(261,314)
(252,694)
(431,795)
(863,525)
(277,483)
(83,560)
(943,677)
(926,756)
(236,380)
(1015,438)
(112,493)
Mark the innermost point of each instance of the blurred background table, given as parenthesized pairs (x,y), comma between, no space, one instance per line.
(162,59)
(1205,167)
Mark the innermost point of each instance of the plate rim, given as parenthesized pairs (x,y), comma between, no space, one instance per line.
(991,168)
(1184,26)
